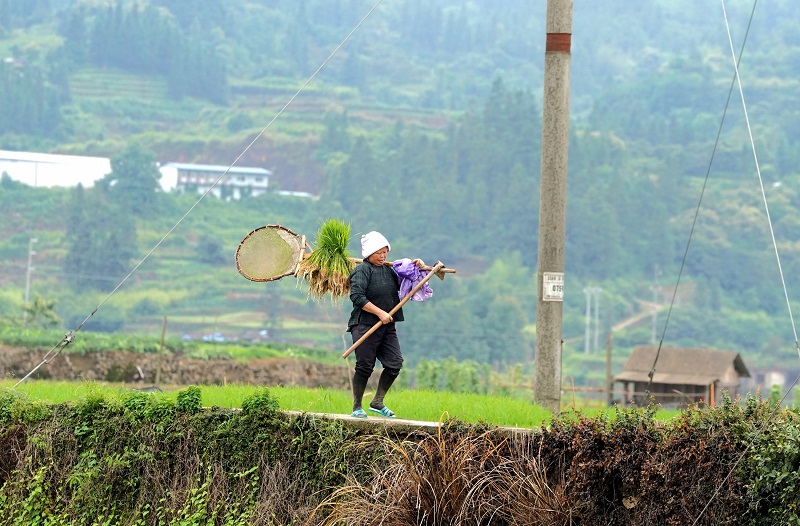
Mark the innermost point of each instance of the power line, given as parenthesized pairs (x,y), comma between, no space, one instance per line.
(699,202)
(760,428)
(69,337)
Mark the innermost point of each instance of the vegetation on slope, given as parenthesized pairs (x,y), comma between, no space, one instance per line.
(143,459)
(424,103)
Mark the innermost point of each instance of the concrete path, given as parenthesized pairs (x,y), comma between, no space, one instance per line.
(401,424)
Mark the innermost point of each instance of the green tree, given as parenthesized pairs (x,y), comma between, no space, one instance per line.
(594,236)
(354,182)
(208,13)
(76,35)
(210,251)
(146,39)
(7,183)
(503,324)
(40,313)
(29,102)
(517,210)
(297,37)
(239,122)
(20,13)
(335,137)
(100,240)
(354,72)
(133,181)
(422,24)
(79,253)
(457,34)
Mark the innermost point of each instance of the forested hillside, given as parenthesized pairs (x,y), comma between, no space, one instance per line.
(424,125)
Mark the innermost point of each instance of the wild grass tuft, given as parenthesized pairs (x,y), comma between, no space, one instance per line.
(461,475)
(520,490)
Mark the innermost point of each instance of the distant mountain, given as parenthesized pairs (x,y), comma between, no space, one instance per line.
(426,124)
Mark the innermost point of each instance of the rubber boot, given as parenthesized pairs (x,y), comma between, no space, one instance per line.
(359,386)
(384,383)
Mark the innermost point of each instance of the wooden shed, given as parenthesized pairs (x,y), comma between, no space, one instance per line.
(682,375)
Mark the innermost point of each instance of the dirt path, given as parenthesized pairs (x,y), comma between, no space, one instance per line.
(648,307)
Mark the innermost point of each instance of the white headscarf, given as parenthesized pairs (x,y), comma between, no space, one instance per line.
(372,242)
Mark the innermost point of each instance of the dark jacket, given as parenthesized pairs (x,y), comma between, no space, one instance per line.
(379,285)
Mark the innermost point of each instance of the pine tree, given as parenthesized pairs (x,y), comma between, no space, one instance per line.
(101,241)
(336,136)
(78,260)
(133,181)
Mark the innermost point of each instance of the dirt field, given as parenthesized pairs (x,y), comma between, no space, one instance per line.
(176,369)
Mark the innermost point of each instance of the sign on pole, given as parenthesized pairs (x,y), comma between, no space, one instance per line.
(553,286)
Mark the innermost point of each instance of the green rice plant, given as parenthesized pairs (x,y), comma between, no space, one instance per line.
(328,268)
(468,407)
(423,405)
(411,404)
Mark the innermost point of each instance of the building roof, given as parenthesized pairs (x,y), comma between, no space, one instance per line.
(678,365)
(49,170)
(50,158)
(218,169)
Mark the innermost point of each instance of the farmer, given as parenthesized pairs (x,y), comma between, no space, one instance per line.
(374,292)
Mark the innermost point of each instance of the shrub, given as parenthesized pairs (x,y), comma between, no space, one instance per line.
(8,399)
(189,400)
(140,458)
(260,403)
(428,375)
(773,468)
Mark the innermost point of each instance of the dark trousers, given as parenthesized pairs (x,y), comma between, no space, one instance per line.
(382,345)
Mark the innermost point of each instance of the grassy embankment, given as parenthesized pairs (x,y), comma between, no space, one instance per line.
(134,458)
(421,405)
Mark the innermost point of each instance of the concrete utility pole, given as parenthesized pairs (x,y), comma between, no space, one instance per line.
(553,204)
(656,274)
(597,292)
(588,333)
(592,292)
(609,378)
(31,253)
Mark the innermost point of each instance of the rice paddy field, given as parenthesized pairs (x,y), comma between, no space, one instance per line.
(429,406)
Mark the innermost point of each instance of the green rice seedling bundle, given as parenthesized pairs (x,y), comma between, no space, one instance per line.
(327,269)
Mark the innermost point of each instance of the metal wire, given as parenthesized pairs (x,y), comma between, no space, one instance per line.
(699,203)
(761,181)
(760,429)
(70,336)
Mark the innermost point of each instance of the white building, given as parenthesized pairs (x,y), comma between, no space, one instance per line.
(48,170)
(51,170)
(237,182)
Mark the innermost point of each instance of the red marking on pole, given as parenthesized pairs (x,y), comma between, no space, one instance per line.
(560,42)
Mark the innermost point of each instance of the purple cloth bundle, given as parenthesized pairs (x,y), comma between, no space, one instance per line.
(410,275)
